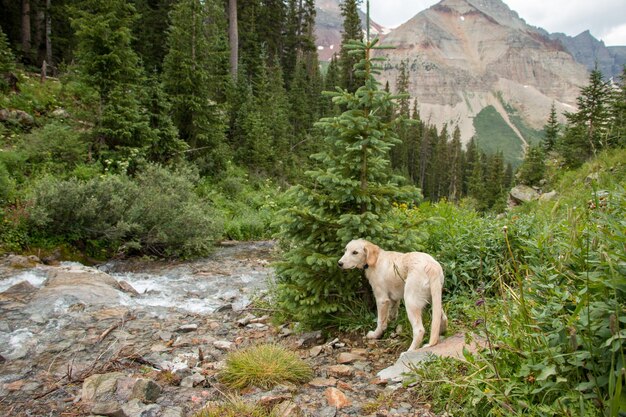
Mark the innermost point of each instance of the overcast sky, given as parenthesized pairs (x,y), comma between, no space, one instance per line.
(605,19)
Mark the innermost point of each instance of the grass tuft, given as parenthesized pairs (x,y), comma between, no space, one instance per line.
(264,366)
(234,407)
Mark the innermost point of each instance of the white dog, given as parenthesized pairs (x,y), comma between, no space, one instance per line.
(416,276)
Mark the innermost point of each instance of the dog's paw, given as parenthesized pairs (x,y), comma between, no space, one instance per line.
(372,335)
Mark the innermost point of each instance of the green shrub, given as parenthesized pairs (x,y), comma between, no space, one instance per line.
(264,366)
(55,148)
(156,213)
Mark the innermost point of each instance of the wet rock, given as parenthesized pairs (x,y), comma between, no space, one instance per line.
(65,287)
(336,398)
(21,262)
(128,289)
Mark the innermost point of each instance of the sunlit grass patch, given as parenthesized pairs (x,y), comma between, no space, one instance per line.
(234,407)
(264,366)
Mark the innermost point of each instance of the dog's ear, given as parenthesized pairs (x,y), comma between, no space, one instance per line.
(371,252)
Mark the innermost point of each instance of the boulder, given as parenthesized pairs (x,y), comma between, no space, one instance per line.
(523,194)
(548,196)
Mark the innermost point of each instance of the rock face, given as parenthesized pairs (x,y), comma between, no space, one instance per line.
(466,55)
(329,26)
(590,52)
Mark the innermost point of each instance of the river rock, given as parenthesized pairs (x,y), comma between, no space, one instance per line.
(66,287)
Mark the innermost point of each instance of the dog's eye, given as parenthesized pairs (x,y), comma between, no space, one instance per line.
(355,252)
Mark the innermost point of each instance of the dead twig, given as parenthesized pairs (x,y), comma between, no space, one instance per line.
(115,326)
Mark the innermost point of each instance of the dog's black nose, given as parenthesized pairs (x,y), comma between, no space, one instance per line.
(340,263)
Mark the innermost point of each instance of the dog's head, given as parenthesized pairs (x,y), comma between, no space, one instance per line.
(359,254)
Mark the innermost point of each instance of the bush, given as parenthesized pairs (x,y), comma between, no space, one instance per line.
(264,366)
(155,213)
(55,148)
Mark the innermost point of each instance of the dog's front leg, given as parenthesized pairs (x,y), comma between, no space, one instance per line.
(382,309)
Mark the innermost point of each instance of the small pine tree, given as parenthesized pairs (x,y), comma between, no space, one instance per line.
(533,168)
(551,130)
(350,194)
(617,135)
(587,130)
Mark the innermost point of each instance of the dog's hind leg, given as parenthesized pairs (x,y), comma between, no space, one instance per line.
(439,320)
(382,308)
(414,311)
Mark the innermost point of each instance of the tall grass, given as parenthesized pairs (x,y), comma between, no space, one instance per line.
(555,314)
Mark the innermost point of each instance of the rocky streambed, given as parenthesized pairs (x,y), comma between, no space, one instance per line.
(148,339)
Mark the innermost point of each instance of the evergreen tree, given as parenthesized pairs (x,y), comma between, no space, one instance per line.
(399,154)
(591,120)
(413,142)
(494,196)
(194,74)
(331,82)
(107,62)
(551,129)
(167,146)
(349,194)
(533,168)
(351,32)
(152,23)
(617,135)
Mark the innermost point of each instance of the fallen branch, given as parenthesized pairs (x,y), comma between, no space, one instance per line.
(115,326)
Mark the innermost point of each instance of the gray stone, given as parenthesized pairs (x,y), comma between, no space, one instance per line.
(548,196)
(173,412)
(146,390)
(523,194)
(135,408)
(109,408)
(193,380)
(100,386)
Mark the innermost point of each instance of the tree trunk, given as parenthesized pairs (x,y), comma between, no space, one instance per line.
(49,35)
(26,27)
(233,37)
